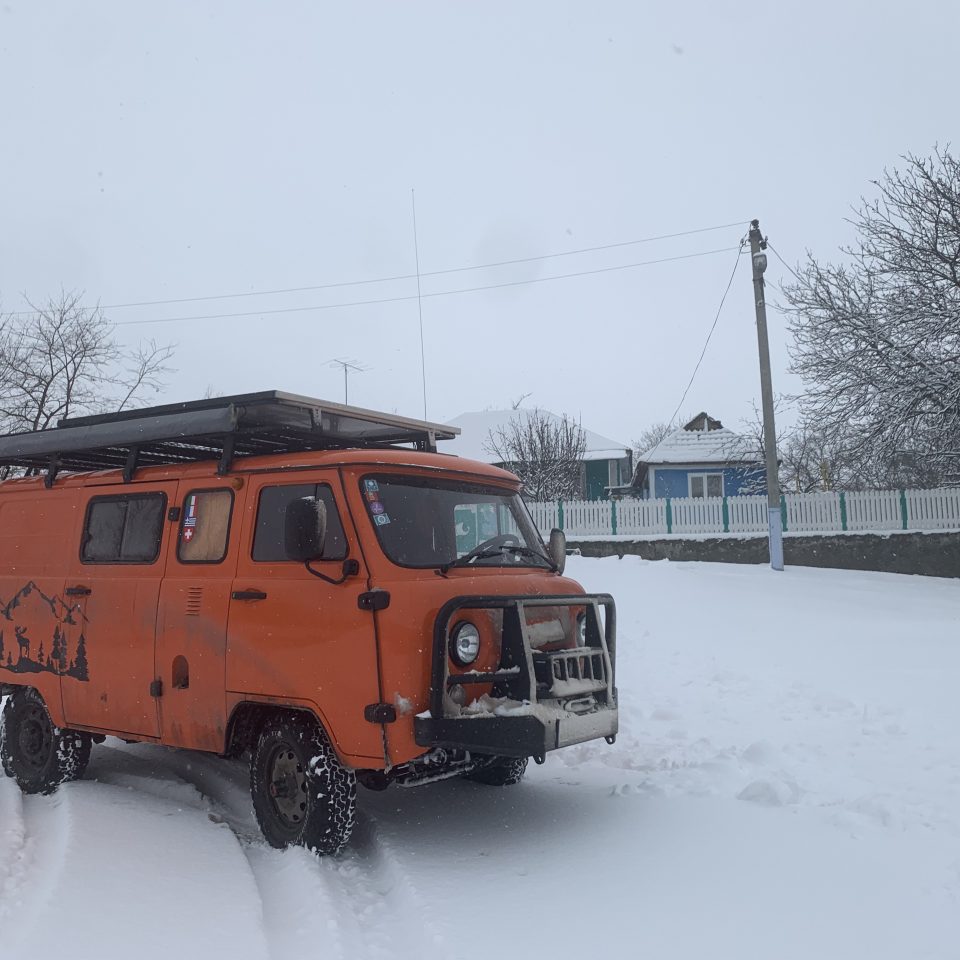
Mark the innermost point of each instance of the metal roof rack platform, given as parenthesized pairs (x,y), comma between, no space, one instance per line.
(221,428)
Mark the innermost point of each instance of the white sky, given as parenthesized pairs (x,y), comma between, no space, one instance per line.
(191,149)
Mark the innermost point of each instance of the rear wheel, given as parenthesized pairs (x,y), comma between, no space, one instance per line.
(499,771)
(36,753)
(302,794)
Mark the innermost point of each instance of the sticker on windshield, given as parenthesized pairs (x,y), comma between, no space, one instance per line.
(381,519)
(372,496)
(376,507)
(371,485)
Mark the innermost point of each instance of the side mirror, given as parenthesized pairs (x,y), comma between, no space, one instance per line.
(305,529)
(557,549)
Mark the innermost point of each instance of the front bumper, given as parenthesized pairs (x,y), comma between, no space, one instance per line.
(542,716)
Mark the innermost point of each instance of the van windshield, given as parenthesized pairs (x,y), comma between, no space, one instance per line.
(429,522)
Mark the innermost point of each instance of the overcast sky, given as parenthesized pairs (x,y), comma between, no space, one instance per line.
(189,149)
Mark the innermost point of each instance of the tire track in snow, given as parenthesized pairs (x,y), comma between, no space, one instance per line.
(368,905)
(41,837)
(13,842)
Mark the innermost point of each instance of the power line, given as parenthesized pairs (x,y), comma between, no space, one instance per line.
(441,293)
(710,334)
(784,262)
(405,276)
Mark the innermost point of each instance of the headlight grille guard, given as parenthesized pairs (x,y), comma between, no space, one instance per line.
(522,668)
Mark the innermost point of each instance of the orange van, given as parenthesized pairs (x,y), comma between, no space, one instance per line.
(309,583)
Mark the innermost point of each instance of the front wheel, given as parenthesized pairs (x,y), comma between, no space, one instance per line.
(36,753)
(499,771)
(302,794)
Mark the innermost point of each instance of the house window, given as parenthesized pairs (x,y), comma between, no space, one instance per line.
(705,484)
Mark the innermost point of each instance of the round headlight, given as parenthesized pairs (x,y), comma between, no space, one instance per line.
(582,630)
(464,643)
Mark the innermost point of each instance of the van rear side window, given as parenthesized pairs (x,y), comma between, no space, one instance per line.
(205,526)
(268,541)
(123,529)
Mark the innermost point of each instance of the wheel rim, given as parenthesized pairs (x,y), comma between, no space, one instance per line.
(287,786)
(35,737)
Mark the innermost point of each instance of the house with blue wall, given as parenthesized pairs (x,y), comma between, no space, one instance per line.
(701,459)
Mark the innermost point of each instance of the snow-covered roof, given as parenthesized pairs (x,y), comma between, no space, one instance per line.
(702,446)
(475,429)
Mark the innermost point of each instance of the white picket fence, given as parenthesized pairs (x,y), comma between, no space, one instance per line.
(829,512)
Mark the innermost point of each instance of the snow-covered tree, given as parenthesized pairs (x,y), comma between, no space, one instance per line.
(877,337)
(545,452)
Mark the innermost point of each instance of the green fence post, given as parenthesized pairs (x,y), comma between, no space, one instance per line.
(613,516)
(843,510)
(726,516)
(903,508)
(783,513)
(669,517)
(560,514)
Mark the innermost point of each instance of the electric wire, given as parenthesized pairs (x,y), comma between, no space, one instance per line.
(784,262)
(403,276)
(713,327)
(439,293)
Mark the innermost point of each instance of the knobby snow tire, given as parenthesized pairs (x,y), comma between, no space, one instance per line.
(33,750)
(500,771)
(326,790)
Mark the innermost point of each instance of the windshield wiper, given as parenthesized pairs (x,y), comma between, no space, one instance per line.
(498,551)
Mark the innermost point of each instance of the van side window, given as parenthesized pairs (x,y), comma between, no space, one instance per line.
(268,546)
(205,526)
(124,529)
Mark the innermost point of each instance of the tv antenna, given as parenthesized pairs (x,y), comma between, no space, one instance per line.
(347,365)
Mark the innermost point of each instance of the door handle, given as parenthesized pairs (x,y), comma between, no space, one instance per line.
(248,595)
(78,591)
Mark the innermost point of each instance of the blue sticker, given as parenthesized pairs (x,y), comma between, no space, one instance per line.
(371,484)
(381,519)
(376,507)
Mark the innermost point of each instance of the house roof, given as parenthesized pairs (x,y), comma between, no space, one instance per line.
(475,429)
(702,446)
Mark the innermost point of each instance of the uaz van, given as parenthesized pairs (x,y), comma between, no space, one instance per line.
(309,583)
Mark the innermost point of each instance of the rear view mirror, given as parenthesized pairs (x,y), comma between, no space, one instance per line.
(557,549)
(305,529)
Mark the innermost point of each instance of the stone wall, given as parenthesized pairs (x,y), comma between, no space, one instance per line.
(929,554)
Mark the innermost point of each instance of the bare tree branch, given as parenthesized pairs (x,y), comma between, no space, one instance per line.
(63,361)
(546,453)
(877,340)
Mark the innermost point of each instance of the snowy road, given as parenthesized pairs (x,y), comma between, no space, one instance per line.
(786,785)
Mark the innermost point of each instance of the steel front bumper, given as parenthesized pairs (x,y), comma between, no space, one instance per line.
(540,717)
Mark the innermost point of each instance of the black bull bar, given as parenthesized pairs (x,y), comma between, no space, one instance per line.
(565,696)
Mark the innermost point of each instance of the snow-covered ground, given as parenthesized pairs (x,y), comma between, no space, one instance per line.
(786,785)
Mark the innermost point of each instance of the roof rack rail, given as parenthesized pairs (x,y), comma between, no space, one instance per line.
(220,428)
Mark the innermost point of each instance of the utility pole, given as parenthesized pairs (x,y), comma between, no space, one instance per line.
(775,525)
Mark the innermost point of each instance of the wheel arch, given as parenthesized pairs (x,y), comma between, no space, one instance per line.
(249,717)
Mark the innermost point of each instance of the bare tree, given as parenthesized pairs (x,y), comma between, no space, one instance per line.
(545,452)
(650,437)
(63,360)
(877,339)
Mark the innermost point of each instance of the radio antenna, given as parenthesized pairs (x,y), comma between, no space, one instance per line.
(416,254)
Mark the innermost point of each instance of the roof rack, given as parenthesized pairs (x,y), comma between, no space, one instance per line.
(220,428)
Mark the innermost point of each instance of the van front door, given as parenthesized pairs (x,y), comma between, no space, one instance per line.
(295,638)
(112,587)
(192,625)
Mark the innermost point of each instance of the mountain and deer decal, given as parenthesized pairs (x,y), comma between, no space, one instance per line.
(23,646)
